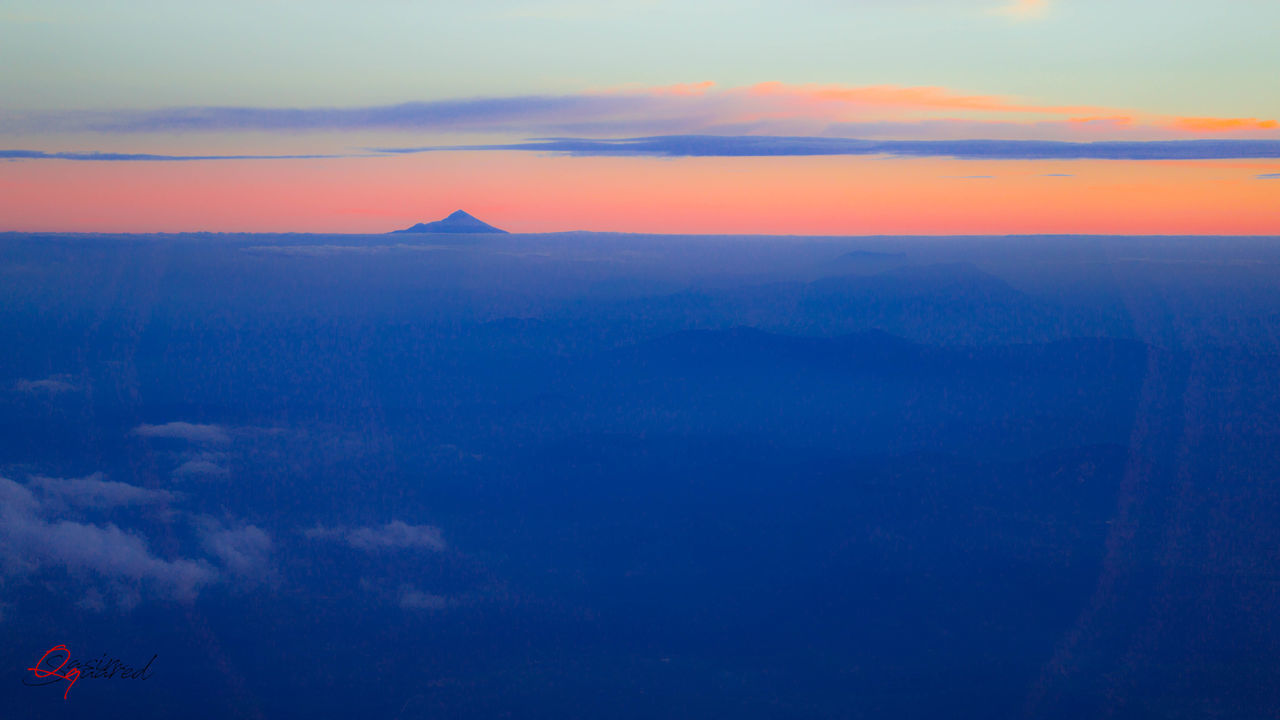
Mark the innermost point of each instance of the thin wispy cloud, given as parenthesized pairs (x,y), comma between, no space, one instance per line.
(765,108)
(395,535)
(701,119)
(465,114)
(774,146)
(96,492)
(145,157)
(673,146)
(200,467)
(244,551)
(53,385)
(191,432)
(413,599)
(213,450)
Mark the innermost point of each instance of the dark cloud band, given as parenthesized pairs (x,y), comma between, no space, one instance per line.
(676,146)
(454,114)
(773,146)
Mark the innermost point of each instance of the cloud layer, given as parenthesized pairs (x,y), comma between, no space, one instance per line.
(191,432)
(31,540)
(672,146)
(52,385)
(143,157)
(700,119)
(245,551)
(413,599)
(774,146)
(395,535)
(97,493)
(766,108)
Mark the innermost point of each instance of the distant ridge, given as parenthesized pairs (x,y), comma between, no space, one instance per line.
(458,222)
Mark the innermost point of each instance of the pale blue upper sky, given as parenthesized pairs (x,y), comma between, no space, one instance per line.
(1174,56)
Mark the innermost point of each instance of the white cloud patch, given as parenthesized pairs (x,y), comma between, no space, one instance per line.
(16,499)
(395,535)
(200,467)
(245,551)
(212,449)
(191,432)
(413,599)
(95,492)
(52,385)
(29,542)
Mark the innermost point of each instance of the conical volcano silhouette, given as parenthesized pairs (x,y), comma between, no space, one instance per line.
(458,222)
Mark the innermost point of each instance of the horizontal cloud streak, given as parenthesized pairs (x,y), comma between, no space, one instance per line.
(413,599)
(778,146)
(191,432)
(788,146)
(674,146)
(767,108)
(53,385)
(460,114)
(200,467)
(394,535)
(95,491)
(145,157)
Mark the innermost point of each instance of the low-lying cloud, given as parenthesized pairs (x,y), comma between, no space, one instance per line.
(200,467)
(31,541)
(395,535)
(96,492)
(244,551)
(54,384)
(778,146)
(678,146)
(765,107)
(191,432)
(413,599)
(146,157)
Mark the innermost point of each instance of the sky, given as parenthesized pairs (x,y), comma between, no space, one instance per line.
(807,117)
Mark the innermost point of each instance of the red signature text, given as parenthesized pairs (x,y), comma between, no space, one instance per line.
(71,676)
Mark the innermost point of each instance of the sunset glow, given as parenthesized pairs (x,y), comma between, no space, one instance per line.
(351,164)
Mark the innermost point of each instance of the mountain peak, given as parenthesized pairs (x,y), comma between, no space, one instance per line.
(459,221)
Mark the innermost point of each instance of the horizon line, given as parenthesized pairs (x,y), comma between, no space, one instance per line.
(634,232)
